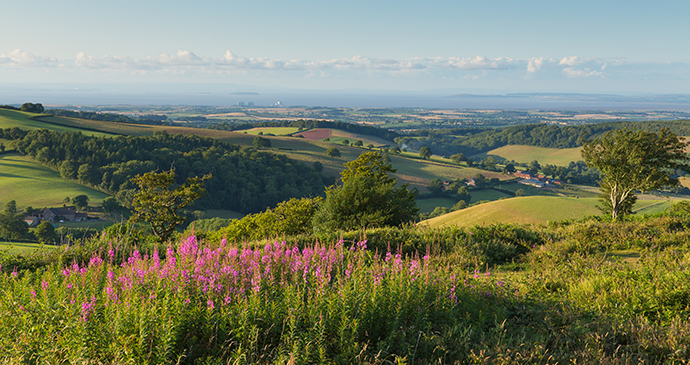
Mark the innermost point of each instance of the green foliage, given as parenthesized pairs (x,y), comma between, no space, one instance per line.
(32,108)
(260,142)
(45,232)
(12,224)
(436,187)
(635,160)
(245,180)
(368,197)
(159,205)
(425,152)
(81,202)
(110,205)
(332,152)
(289,218)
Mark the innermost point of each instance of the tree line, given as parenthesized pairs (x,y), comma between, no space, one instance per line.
(470,141)
(244,179)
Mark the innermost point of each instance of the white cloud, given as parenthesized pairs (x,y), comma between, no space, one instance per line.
(19,58)
(535,64)
(585,72)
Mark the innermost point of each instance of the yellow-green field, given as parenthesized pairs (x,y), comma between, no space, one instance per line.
(32,184)
(278,131)
(536,209)
(526,154)
(22,247)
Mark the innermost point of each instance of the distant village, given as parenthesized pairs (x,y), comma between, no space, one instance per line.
(55,215)
(537,181)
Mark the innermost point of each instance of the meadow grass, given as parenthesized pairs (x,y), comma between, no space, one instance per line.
(487,194)
(428,205)
(527,154)
(521,210)
(21,247)
(32,184)
(278,131)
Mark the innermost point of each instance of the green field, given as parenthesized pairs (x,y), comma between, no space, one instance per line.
(14,118)
(531,209)
(21,247)
(539,209)
(428,205)
(32,184)
(526,154)
(278,131)
(487,194)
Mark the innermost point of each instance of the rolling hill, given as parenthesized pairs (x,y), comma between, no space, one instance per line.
(535,209)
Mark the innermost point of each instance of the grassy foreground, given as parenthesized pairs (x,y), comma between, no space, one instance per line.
(571,292)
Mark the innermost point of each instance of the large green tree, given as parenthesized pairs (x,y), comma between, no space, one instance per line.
(368,197)
(159,204)
(45,232)
(632,160)
(12,224)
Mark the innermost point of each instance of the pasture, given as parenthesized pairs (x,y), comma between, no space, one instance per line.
(522,210)
(278,131)
(527,154)
(32,184)
(14,118)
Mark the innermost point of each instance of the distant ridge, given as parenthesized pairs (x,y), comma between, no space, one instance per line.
(245,93)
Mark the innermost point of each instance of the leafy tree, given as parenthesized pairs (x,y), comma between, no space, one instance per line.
(534,167)
(68,170)
(550,170)
(332,152)
(634,160)
(370,146)
(394,150)
(462,204)
(158,204)
(28,210)
(368,197)
(435,187)
(45,232)
(425,152)
(260,142)
(81,202)
(318,166)
(509,168)
(110,204)
(359,144)
(2,147)
(464,194)
(32,108)
(12,224)
(458,157)
(290,217)
(480,181)
(345,142)
(490,163)
(519,192)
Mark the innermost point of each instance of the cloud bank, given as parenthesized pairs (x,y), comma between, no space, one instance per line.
(187,61)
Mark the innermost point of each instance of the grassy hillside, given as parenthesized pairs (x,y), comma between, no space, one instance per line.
(526,154)
(32,184)
(536,209)
(14,118)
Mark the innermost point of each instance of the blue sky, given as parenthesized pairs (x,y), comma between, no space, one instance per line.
(480,46)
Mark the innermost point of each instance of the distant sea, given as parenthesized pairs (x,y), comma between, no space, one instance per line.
(145,95)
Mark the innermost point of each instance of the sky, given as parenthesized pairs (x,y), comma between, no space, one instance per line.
(488,46)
